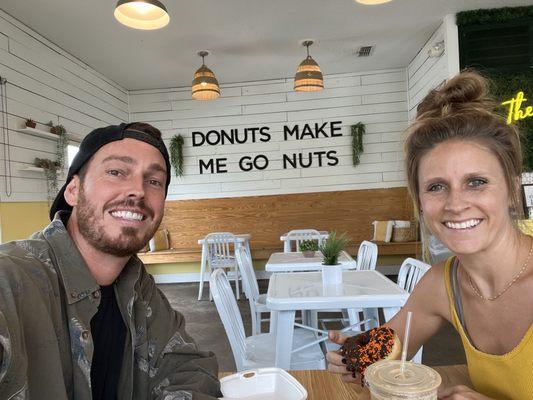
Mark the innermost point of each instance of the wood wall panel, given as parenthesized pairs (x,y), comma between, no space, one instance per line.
(267,217)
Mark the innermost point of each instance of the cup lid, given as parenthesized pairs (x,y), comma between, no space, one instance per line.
(386,376)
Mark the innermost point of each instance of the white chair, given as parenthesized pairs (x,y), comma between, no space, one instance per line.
(298,236)
(258,351)
(367,256)
(220,254)
(251,289)
(411,271)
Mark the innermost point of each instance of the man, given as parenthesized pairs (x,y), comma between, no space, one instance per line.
(79,316)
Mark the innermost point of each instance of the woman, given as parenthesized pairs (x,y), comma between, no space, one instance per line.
(463,166)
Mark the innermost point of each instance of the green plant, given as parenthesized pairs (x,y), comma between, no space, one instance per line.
(176,154)
(332,246)
(50,172)
(357,131)
(492,15)
(309,245)
(61,146)
(506,86)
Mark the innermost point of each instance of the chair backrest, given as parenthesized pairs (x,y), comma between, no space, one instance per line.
(220,249)
(411,272)
(246,268)
(367,256)
(297,236)
(229,313)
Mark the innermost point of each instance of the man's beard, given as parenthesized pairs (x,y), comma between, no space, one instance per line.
(93,230)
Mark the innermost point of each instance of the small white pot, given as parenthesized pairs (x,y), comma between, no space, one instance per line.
(332,274)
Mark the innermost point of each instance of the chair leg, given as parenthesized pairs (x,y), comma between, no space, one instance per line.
(237,294)
(209,290)
(202,271)
(417,358)
(256,323)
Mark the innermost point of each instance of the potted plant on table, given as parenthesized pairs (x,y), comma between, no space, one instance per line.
(331,249)
(308,248)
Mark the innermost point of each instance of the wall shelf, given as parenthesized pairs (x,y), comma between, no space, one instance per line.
(31,168)
(48,135)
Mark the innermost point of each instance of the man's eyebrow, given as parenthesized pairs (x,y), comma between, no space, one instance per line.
(157,167)
(125,159)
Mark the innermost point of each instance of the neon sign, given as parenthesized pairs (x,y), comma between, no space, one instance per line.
(516,112)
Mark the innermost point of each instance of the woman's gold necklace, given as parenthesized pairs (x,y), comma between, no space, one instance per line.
(516,277)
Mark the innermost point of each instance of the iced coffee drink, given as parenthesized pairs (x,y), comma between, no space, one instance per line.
(386,381)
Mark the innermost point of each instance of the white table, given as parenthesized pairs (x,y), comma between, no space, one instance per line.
(289,292)
(295,261)
(242,239)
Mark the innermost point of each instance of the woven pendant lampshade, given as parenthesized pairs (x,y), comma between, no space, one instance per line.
(308,75)
(205,84)
(142,14)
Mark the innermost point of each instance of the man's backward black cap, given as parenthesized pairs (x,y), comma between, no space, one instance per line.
(92,143)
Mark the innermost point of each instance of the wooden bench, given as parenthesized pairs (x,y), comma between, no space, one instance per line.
(407,249)
(267,217)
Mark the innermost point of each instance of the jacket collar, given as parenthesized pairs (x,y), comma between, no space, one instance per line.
(76,277)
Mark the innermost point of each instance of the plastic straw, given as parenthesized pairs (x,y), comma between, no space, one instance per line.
(406,340)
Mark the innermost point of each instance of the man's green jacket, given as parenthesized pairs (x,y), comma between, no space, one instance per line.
(47,300)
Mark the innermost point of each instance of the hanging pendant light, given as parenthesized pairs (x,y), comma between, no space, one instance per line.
(142,14)
(205,84)
(308,75)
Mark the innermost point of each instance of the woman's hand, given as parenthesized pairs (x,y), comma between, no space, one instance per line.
(336,363)
(460,392)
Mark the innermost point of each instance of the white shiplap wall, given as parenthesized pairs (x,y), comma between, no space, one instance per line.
(425,73)
(48,84)
(378,99)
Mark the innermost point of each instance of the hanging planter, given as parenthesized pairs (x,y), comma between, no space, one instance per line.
(50,172)
(357,131)
(176,154)
(61,147)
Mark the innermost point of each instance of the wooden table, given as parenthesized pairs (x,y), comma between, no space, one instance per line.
(323,385)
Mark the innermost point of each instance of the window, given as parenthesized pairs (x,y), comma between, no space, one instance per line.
(72,150)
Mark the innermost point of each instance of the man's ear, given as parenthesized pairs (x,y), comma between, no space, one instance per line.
(72,191)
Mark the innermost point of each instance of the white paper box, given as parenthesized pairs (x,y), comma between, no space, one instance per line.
(262,384)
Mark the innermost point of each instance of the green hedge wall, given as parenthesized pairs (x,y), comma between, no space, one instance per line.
(505,86)
(493,15)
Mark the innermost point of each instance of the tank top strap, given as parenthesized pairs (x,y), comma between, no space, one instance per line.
(454,293)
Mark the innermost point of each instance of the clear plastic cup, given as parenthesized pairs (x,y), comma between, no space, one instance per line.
(386,381)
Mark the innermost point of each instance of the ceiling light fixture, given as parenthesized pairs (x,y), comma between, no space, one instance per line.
(142,14)
(372,2)
(308,75)
(205,84)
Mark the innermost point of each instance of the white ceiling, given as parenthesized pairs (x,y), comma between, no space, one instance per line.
(249,39)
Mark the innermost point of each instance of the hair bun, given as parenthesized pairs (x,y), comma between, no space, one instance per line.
(466,91)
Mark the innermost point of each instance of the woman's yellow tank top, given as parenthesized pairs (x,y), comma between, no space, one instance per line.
(502,377)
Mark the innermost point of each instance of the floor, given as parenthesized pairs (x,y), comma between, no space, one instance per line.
(204,325)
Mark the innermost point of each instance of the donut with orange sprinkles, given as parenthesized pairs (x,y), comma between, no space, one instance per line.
(365,349)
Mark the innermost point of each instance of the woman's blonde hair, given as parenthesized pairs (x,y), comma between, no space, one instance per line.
(462,110)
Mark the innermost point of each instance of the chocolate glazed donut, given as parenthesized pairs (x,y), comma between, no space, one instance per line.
(365,349)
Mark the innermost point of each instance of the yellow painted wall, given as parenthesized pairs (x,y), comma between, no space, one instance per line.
(19,220)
